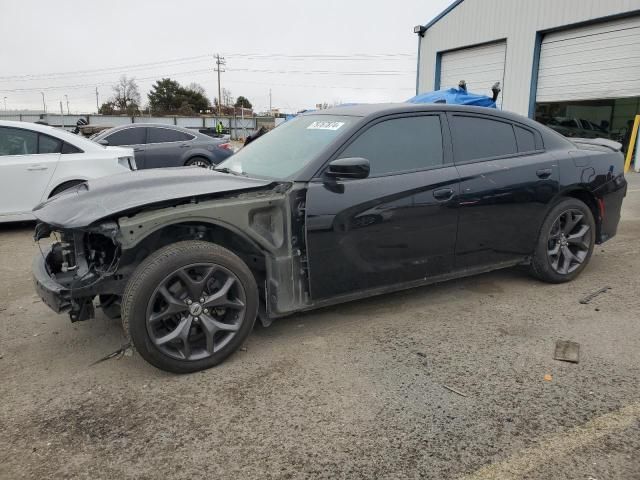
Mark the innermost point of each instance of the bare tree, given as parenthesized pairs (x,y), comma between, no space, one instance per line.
(126,95)
(227,99)
(196,87)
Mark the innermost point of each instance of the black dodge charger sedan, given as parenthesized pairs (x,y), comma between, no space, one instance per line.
(329,207)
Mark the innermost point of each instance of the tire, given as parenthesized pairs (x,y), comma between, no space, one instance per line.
(564,248)
(198,162)
(65,186)
(161,318)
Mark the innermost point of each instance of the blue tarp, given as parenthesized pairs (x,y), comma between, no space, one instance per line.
(455,96)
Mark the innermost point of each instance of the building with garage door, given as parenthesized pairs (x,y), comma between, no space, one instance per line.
(571,64)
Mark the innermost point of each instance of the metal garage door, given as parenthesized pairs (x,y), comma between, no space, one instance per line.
(593,62)
(480,67)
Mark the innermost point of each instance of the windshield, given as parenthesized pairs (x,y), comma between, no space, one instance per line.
(289,147)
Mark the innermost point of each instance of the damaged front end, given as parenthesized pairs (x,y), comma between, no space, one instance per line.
(77,266)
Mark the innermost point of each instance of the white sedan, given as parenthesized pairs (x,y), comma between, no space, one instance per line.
(39,161)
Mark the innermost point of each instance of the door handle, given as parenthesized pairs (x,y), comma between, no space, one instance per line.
(34,168)
(184,146)
(138,149)
(544,173)
(443,194)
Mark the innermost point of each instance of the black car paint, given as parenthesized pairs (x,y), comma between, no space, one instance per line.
(351,238)
(171,154)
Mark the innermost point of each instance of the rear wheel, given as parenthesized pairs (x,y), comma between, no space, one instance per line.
(566,242)
(198,162)
(189,306)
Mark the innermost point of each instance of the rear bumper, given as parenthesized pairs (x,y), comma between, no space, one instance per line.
(611,196)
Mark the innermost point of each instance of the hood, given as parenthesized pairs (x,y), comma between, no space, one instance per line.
(103,197)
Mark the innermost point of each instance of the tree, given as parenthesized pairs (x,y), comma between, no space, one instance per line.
(168,96)
(196,87)
(243,102)
(107,108)
(126,96)
(162,97)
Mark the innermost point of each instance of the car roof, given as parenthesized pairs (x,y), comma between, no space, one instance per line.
(382,109)
(72,138)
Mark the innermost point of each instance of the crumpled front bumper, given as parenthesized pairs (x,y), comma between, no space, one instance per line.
(54,295)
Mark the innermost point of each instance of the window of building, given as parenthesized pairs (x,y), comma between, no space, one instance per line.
(611,119)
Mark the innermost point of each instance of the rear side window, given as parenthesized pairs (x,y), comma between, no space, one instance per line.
(525,138)
(400,144)
(164,135)
(68,148)
(48,144)
(127,136)
(15,141)
(475,138)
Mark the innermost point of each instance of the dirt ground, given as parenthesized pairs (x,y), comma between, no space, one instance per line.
(354,391)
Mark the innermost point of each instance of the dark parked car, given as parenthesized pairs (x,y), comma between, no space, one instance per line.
(329,207)
(158,146)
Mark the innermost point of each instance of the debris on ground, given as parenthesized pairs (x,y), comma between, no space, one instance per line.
(548,377)
(121,352)
(593,295)
(567,351)
(451,389)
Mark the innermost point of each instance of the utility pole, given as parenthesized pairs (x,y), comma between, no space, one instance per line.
(5,104)
(62,113)
(219,64)
(67,99)
(97,105)
(44,105)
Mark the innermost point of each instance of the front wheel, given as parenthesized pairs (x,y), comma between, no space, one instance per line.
(189,306)
(566,242)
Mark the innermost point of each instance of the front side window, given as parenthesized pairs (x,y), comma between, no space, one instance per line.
(48,144)
(15,141)
(127,136)
(290,147)
(164,135)
(400,145)
(475,138)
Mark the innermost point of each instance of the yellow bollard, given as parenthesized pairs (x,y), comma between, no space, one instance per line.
(632,144)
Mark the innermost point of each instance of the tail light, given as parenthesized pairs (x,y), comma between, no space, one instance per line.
(226,146)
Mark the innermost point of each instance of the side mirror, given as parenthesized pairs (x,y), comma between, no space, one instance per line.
(355,167)
(104,142)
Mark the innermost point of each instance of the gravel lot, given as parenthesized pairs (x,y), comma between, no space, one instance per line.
(354,391)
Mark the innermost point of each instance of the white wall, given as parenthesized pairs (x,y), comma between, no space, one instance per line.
(479,21)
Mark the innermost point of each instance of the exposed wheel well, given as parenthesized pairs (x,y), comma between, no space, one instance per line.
(590,200)
(65,185)
(245,249)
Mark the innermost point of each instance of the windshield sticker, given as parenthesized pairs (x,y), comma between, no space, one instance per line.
(325,125)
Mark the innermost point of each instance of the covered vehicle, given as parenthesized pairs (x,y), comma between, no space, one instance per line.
(329,207)
(459,96)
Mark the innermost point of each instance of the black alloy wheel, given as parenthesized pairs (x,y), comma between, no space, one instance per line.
(189,305)
(569,241)
(195,311)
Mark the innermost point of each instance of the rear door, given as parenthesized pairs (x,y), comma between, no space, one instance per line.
(506,182)
(134,137)
(396,226)
(27,162)
(166,147)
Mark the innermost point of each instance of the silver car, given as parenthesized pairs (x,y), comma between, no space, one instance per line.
(157,146)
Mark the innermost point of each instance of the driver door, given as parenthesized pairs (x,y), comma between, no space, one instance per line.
(396,226)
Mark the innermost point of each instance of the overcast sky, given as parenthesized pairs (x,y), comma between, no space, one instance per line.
(307,52)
